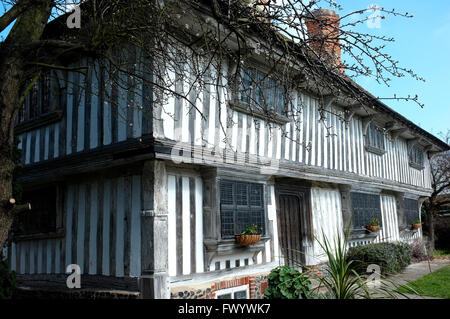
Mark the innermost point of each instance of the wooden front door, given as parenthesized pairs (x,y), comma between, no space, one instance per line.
(294,222)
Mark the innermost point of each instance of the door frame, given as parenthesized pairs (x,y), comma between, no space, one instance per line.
(301,189)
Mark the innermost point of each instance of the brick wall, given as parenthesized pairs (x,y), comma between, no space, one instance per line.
(257,284)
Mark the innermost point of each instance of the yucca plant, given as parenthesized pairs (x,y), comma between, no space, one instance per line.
(341,281)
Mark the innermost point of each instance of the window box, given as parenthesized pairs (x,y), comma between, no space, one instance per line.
(217,248)
(246,240)
(372,229)
(358,234)
(416,226)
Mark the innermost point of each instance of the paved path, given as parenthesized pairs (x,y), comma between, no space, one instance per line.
(416,271)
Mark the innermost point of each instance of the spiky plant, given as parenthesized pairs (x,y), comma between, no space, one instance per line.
(341,281)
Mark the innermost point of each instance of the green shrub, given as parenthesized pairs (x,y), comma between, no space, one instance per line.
(7,280)
(391,257)
(288,283)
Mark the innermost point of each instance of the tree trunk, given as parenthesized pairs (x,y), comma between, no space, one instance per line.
(9,96)
(430,222)
(14,56)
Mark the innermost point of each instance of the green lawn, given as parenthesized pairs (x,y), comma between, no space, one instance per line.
(439,253)
(435,284)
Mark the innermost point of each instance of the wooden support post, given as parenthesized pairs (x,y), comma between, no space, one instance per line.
(211,212)
(400,206)
(346,206)
(154,251)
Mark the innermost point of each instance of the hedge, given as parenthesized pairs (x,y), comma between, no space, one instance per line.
(7,280)
(391,257)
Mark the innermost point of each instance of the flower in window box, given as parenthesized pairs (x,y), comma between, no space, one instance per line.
(374,225)
(417,223)
(251,235)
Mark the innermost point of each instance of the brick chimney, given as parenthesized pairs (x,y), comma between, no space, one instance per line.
(323,35)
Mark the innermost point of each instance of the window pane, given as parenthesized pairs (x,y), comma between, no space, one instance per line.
(227,223)
(45,94)
(270,94)
(416,155)
(242,194)
(411,210)
(365,208)
(243,220)
(226,193)
(246,82)
(242,205)
(225,296)
(259,90)
(375,137)
(42,217)
(256,195)
(280,100)
(240,295)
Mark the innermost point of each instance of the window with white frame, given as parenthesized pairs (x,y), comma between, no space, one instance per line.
(375,139)
(261,91)
(240,292)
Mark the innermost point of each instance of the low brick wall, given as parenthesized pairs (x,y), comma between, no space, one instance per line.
(257,284)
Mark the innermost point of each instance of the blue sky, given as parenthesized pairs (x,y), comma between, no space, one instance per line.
(422,44)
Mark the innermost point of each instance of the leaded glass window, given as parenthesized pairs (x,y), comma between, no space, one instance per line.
(261,91)
(416,155)
(38,101)
(375,137)
(241,206)
(411,210)
(365,208)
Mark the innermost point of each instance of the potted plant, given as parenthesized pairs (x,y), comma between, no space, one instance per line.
(251,235)
(417,224)
(373,225)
